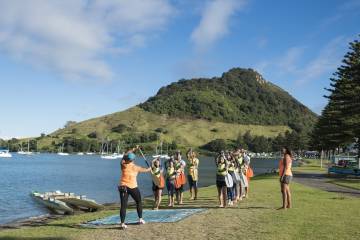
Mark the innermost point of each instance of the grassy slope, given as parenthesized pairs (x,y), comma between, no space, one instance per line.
(316,215)
(185,131)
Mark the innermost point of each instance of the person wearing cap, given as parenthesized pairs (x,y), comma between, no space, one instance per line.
(128,185)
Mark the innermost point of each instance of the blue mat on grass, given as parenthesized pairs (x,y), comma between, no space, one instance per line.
(166,215)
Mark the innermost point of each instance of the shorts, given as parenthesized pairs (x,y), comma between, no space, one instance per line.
(155,188)
(180,189)
(170,185)
(220,181)
(286,179)
(191,182)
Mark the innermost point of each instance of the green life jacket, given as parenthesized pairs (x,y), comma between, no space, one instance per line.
(170,172)
(221,169)
(177,165)
(156,171)
(231,167)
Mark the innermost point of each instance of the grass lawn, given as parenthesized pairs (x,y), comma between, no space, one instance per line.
(349,183)
(312,166)
(316,215)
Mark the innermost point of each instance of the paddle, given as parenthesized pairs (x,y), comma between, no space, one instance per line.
(144,157)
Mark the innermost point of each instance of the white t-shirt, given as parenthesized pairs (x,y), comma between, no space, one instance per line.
(247,159)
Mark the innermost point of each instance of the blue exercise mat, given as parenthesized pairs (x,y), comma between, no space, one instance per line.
(166,215)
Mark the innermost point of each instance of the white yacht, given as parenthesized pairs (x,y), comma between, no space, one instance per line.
(4,153)
(61,151)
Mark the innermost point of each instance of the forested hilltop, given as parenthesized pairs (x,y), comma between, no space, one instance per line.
(239,96)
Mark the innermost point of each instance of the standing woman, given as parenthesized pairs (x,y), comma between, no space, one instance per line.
(285,177)
(158,182)
(193,173)
(221,172)
(128,185)
(180,178)
(170,180)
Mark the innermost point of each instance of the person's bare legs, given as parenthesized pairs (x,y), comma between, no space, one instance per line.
(181,197)
(196,192)
(158,192)
(283,194)
(224,194)
(220,196)
(191,193)
(288,195)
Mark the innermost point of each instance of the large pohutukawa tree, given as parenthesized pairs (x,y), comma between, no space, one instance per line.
(339,123)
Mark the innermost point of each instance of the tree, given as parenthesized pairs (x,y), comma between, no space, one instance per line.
(339,123)
(120,128)
(69,124)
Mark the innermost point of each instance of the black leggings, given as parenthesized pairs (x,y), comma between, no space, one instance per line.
(124,196)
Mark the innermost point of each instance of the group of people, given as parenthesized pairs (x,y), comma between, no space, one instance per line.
(173,175)
(233,174)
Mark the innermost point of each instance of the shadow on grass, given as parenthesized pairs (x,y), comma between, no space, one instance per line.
(32,238)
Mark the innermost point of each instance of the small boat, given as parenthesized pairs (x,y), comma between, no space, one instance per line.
(80,202)
(74,201)
(52,203)
(28,152)
(113,156)
(61,151)
(80,153)
(4,153)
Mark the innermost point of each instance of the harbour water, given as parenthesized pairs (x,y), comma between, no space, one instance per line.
(87,175)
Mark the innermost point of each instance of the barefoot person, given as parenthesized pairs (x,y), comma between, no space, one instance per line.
(193,173)
(220,179)
(158,182)
(180,178)
(170,180)
(128,185)
(285,177)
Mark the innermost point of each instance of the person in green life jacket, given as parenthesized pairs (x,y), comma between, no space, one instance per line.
(170,180)
(231,170)
(156,187)
(221,172)
(193,173)
(238,154)
(179,165)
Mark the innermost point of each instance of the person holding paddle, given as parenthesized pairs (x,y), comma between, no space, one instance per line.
(180,178)
(128,184)
(158,182)
(193,173)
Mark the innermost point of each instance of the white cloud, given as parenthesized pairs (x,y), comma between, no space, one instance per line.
(73,37)
(328,60)
(214,23)
(288,62)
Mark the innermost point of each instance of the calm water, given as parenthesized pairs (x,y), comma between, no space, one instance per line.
(89,175)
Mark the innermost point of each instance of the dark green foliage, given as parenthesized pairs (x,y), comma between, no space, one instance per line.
(239,96)
(135,138)
(258,144)
(214,130)
(121,128)
(161,130)
(339,123)
(92,135)
(216,145)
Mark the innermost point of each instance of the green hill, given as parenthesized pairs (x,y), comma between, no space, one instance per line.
(192,113)
(239,96)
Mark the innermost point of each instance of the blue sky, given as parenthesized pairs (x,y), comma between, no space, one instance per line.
(76,59)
